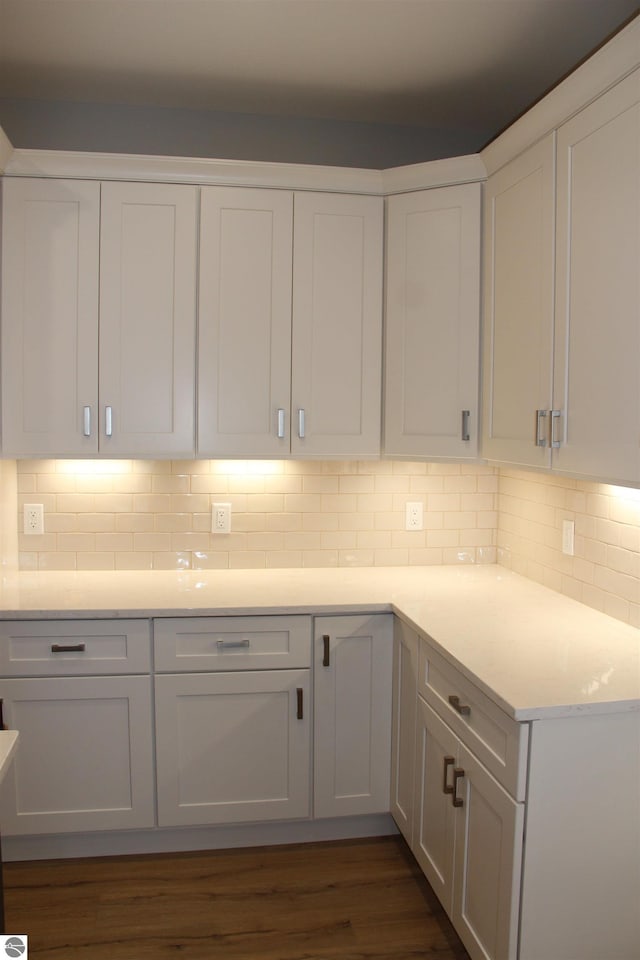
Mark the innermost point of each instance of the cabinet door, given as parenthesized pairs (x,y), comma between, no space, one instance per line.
(85,760)
(488,863)
(403,727)
(244,349)
(433,323)
(337,325)
(148,243)
(352,730)
(233,747)
(434,824)
(518,311)
(49,317)
(597,353)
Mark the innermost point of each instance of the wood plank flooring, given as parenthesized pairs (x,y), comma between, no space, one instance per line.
(344,900)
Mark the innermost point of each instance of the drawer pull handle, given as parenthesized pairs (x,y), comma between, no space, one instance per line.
(300,696)
(448,762)
(68,647)
(462,708)
(326,659)
(458,774)
(231,644)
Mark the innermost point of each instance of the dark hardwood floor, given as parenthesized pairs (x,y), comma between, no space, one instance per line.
(347,900)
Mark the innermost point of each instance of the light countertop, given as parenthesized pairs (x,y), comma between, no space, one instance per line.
(534,652)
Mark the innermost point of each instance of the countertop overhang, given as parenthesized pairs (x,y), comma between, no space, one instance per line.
(535,652)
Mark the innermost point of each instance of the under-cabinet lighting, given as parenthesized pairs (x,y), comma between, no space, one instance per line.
(93,467)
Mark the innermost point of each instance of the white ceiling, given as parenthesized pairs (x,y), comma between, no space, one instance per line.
(464,63)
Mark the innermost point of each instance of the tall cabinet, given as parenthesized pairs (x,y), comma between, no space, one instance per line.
(98,318)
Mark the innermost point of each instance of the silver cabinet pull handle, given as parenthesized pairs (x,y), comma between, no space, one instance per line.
(68,647)
(541,439)
(280,423)
(86,421)
(465,425)
(108,422)
(300,696)
(458,774)
(301,423)
(555,417)
(231,644)
(448,762)
(326,640)
(462,708)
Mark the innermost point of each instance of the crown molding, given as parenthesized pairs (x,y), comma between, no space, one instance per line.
(6,150)
(284,176)
(618,58)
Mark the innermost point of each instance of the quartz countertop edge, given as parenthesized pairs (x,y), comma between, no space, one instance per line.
(8,744)
(534,652)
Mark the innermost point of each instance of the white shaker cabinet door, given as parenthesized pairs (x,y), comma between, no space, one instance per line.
(518,314)
(433,323)
(597,347)
(148,242)
(352,724)
(50,317)
(244,350)
(337,325)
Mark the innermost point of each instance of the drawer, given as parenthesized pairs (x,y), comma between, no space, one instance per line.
(497,740)
(232,643)
(53,648)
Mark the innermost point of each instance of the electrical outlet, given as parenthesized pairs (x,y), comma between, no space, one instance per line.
(568,537)
(221,518)
(413,516)
(33,519)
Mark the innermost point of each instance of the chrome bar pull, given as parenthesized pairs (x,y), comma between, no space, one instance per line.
(448,762)
(280,423)
(68,647)
(300,699)
(465,425)
(555,417)
(326,659)
(461,708)
(541,438)
(108,422)
(232,644)
(86,421)
(458,774)
(301,423)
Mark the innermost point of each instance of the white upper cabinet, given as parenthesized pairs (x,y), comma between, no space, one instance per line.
(518,308)
(148,246)
(50,248)
(562,346)
(290,325)
(98,319)
(433,323)
(337,325)
(597,345)
(244,354)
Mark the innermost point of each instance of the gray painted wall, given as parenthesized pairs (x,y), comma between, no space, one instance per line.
(117,128)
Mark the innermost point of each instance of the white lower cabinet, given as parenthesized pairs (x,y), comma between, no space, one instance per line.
(85,761)
(233,743)
(352,726)
(467,839)
(403,726)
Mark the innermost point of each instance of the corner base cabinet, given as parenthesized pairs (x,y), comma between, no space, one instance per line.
(501,809)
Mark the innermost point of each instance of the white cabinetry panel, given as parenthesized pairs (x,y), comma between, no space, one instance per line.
(244,365)
(50,249)
(433,323)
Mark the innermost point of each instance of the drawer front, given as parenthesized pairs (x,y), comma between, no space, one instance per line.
(53,648)
(497,740)
(232,643)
